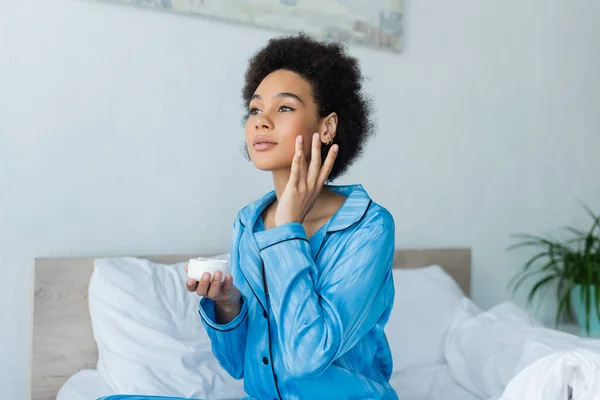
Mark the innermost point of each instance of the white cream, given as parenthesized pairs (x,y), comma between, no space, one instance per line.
(198,266)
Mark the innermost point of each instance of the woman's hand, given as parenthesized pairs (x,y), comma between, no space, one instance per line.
(226,296)
(304,184)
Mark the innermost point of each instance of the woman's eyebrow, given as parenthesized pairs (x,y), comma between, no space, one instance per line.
(279,96)
(287,94)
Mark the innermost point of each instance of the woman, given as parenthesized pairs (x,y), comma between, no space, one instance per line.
(302,314)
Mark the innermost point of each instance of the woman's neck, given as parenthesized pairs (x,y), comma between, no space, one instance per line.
(280,180)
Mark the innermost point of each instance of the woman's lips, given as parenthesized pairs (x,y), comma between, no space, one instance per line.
(263,146)
(263,143)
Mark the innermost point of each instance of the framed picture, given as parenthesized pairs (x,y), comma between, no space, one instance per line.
(373,23)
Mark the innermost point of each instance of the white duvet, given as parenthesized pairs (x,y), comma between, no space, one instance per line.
(503,354)
(570,374)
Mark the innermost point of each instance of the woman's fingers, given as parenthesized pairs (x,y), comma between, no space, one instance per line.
(295,173)
(227,285)
(302,175)
(328,164)
(191,285)
(215,286)
(315,160)
(203,285)
(211,288)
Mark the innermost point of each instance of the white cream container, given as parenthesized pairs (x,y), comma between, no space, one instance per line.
(198,266)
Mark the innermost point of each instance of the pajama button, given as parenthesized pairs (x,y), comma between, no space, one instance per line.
(265,360)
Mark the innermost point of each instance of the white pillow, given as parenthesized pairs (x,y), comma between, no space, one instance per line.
(149,334)
(425,304)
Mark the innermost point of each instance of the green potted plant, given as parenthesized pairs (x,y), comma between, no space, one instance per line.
(573,266)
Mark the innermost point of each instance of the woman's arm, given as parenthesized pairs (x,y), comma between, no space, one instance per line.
(316,326)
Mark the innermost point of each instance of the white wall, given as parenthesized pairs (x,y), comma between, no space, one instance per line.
(120,129)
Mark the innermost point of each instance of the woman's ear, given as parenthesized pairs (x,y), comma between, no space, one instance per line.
(329,128)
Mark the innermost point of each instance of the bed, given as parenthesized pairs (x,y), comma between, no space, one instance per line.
(63,342)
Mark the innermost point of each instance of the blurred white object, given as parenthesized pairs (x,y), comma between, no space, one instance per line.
(198,266)
(489,350)
(574,373)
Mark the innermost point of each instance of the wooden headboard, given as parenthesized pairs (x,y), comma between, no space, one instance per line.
(62,330)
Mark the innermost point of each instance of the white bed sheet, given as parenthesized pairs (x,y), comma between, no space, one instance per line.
(433,383)
(86,384)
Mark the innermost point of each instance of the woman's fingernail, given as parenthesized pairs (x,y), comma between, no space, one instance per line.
(316,136)
(300,139)
(206,277)
(335,148)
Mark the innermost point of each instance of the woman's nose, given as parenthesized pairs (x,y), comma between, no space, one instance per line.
(263,123)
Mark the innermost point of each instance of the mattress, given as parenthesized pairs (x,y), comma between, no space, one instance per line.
(434,383)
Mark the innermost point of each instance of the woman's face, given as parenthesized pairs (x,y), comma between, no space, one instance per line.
(281,109)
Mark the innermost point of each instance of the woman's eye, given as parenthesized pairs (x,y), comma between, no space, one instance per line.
(254,110)
(285,108)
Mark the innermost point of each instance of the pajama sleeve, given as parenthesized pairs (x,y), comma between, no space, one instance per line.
(228,341)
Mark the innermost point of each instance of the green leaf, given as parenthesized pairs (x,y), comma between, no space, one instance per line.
(590,242)
(552,264)
(597,295)
(539,285)
(565,303)
(535,258)
(595,217)
(560,292)
(587,307)
(575,231)
(520,278)
(544,241)
(528,243)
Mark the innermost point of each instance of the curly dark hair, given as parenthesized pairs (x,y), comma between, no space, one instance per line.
(336,82)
